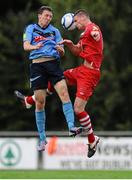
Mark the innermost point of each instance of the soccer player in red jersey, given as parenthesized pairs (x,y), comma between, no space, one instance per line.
(86,76)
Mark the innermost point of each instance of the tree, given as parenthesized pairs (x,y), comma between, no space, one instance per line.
(111,102)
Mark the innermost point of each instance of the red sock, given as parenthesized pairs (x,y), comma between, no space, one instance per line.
(85,122)
(30,100)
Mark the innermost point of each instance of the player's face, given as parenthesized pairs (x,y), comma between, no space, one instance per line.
(79,22)
(45,18)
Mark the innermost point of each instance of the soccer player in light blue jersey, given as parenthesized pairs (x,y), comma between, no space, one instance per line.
(41,41)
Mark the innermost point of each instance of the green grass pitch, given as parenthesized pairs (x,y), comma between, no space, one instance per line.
(64,174)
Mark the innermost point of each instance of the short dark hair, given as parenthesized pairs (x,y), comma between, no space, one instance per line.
(81,12)
(43,8)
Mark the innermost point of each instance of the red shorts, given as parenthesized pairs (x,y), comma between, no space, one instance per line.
(84,78)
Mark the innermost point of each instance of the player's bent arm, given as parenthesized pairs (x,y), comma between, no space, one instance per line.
(75,49)
(29,47)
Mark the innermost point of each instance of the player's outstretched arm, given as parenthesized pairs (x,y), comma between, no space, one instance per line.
(74,48)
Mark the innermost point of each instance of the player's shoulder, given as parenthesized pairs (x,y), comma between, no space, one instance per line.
(91,27)
(52,27)
(30,26)
(94,27)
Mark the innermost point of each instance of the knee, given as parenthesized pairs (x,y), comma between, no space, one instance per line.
(64,95)
(62,91)
(40,103)
(77,108)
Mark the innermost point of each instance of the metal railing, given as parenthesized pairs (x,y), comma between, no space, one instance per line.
(63,133)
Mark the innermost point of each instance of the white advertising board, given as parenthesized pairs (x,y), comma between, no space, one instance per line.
(71,153)
(18,153)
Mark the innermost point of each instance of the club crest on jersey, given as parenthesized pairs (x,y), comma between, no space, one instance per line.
(39,38)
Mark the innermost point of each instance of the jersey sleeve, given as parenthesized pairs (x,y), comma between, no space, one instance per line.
(95,33)
(27,35)
(58,36)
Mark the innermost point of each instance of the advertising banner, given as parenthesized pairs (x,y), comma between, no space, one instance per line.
(18,153)
(71,153)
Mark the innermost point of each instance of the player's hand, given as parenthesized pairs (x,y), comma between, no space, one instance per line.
(60,49)
(66,42)
(38,46)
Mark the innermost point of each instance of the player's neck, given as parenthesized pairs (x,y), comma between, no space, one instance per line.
(41,25)
(88,22)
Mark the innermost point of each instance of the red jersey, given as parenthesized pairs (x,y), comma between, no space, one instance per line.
(92,49)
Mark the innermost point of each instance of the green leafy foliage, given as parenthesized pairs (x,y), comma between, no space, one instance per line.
(110,104)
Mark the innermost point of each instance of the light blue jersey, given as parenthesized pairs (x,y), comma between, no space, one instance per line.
(49,36)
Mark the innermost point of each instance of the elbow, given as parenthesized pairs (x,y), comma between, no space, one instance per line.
(25,48)
(77,52)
